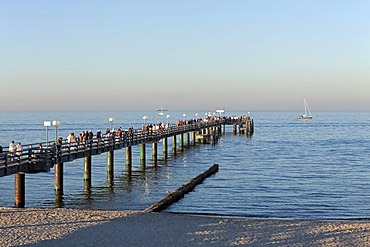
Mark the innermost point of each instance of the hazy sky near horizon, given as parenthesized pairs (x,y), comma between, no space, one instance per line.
(194,55)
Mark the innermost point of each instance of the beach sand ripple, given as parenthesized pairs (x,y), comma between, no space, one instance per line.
(31,225)
(73,227)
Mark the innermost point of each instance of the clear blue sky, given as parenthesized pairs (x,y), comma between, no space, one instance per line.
(194,54)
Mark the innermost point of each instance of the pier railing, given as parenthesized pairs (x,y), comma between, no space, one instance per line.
(33,159)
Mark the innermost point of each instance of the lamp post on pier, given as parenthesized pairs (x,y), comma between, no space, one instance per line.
(56,124)
(111,121)
(47,124)
(145,118)
(168,118)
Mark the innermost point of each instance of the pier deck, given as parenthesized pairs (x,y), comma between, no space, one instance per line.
(33,159)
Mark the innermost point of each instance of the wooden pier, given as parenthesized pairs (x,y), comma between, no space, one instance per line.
(34,159)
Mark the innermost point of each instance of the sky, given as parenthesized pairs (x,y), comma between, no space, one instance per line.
(265,55)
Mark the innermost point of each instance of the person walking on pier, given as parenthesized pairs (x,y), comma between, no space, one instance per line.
(12,149)
(90,137)
(59,143)
(19,149)
(72,140)
(99,136)
(39,152)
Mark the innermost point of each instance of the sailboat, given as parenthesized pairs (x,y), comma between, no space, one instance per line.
(307,112)
(161,111)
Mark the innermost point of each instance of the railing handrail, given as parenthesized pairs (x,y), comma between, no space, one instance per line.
(50,150)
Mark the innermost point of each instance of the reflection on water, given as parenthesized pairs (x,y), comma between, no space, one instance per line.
(315,169)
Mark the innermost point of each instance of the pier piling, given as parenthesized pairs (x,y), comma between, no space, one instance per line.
(174,144)
(58,179)
(34,160)
(187,140)
(87,168)
(142,154)
(20,189)
(154,152)
(110,165)
(165,147)
(128,156)
(194,137)
(181,141)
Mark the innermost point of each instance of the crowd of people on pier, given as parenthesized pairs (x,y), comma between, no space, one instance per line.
(86,137)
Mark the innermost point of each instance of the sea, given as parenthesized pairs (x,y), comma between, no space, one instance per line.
(288,169)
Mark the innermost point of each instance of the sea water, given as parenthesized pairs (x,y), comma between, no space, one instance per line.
(289,168)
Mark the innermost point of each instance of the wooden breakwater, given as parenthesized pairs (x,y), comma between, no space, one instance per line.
(33,159)
(180,192)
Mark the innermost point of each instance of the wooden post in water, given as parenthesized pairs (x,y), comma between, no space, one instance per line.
(87,172)
(234,128)
(187,140)
(142,154)
(154,152)
(174,144)
(180,192)
(165,147)
(20,189)
(58,184)
(250,127)
(213,136)
(87,168)
(194,137)
(128,156)
(110,165)
(181,142)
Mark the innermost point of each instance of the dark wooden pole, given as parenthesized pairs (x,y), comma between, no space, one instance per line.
(194,137)
(181,141)
(20,190)
(174,144)
(154,152)
(110,165)
(142,155)
(165,147)
(128,156)
(58,179)
(187,140)
(87,168)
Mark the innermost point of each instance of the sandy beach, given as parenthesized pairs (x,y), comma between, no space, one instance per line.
(71,227)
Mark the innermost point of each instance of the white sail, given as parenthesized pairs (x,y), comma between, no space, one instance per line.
(161,111)
(307,112)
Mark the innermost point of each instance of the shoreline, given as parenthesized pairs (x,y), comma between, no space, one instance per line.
(272,218)
(78,227)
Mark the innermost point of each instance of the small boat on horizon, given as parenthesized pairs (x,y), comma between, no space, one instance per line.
(307,113)
(161,111)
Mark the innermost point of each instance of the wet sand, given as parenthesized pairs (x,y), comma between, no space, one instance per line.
(71,227)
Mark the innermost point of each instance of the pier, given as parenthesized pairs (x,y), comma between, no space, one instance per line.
(54,155)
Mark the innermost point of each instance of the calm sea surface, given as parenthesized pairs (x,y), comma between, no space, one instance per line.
(289,168)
